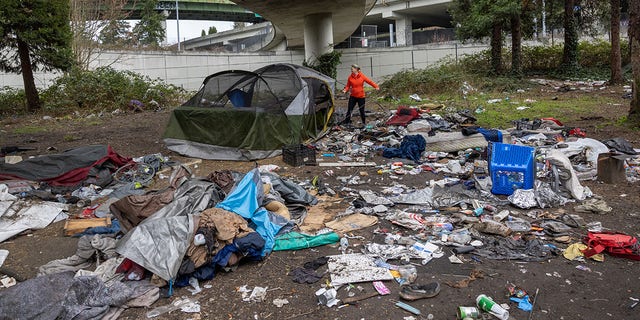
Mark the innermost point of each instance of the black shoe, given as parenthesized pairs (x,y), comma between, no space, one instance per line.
(415,292)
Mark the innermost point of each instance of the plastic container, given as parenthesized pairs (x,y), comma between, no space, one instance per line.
(298,155)
(408,272)
(511,167)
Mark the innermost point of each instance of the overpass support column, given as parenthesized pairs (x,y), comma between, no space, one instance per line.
(404,29)
(318,35)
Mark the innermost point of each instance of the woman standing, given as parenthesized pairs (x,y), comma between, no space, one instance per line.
(355,84)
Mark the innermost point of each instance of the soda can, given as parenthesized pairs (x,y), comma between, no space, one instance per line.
(468,313)
(485,303)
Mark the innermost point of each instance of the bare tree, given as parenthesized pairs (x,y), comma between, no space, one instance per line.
(88,17)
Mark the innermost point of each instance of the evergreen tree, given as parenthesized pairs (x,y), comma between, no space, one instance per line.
(34,35)
(478,19)
(114,33)
(149,31)
(213,30)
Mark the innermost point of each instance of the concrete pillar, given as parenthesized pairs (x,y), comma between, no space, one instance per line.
(404,29)
(318,35)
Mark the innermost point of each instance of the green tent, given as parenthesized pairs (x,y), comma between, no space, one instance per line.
(242,115)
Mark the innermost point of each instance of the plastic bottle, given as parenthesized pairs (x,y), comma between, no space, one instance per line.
(487,304)
(344,244)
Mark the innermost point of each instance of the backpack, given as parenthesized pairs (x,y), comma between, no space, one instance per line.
(614,243)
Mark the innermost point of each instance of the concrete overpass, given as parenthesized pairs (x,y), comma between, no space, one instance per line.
(316,26)
(401,17)
(212,10)
(313,25)
(249,38)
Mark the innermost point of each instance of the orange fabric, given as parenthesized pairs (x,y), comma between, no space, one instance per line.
(356,84)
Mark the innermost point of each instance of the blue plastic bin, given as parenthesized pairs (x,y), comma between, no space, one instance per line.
(511,167)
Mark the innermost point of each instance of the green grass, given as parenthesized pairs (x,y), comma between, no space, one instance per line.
(30,130)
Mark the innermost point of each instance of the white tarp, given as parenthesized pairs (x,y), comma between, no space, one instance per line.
(18,216)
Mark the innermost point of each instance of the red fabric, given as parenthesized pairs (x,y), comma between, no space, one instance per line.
(76,176)
(403,116)
(356,82)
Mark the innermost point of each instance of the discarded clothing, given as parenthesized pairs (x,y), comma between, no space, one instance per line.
(131,210)
(575,250)
(593,206)
(87,247)
(403,116)
(411,147)
(289,191)
(224,179)
(304,275)
(250,248)
(63,296)
(224,226)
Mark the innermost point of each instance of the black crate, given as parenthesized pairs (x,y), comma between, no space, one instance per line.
(298,155)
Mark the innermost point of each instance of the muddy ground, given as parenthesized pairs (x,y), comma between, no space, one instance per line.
(564,292)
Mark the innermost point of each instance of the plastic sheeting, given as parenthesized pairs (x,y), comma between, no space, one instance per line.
(567,175)
(245,200)
(34,216)
(159,243)
(512,249)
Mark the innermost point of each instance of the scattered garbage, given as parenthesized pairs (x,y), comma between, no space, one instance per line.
(497,196)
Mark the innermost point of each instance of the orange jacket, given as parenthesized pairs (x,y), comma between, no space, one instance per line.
(356,84)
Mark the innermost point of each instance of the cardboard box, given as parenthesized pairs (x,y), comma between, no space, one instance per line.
(611,168)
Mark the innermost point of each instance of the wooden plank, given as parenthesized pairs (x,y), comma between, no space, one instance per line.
(75,226)
(347,164)
(187,164)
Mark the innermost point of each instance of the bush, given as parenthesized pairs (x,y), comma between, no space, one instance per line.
(12,101)
(540,58)
(107,89)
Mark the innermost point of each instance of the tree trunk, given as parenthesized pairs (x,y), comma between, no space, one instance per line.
(33,100)
(634,39)
(516,45)
(570,51)
(496,48)
(616,64)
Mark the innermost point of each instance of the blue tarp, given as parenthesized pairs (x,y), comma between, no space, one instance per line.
(245,200)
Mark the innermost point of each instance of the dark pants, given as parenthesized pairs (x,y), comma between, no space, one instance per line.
(352,103)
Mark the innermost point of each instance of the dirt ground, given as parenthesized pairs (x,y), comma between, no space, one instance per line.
(564,292)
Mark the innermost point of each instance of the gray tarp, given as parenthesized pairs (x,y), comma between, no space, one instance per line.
(160,241)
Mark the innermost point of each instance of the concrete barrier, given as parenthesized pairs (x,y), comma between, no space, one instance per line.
(188,69)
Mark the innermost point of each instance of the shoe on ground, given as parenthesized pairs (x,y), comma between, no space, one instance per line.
(415,292)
